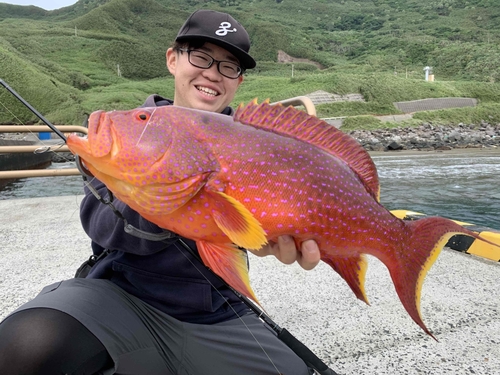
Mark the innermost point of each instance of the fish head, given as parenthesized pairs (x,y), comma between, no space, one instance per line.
(146,154)
(123,144)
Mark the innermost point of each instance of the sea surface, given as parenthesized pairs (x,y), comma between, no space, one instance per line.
(459,184)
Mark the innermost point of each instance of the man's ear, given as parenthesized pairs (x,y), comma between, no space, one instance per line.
(171,57)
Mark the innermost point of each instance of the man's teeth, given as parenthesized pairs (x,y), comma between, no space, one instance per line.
(208,91)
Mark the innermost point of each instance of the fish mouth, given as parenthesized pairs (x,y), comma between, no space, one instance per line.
(207,90)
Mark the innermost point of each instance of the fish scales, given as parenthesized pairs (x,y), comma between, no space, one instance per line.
(268,172)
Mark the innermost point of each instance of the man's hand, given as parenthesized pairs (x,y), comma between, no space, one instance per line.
(285,250)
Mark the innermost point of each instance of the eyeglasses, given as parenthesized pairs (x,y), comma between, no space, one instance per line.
(204,61)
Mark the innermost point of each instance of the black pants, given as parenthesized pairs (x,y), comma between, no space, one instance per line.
(140,339)
(43,341)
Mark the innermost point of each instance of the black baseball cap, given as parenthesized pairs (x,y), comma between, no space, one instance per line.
(220,29)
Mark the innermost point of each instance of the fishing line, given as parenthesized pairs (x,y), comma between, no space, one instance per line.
(303,352)
(231,307)
(12,113)
(145,127)
(33,110)
(201,273)
(45,148)
(22,124)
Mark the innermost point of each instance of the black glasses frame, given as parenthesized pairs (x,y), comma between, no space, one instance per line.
(211,60)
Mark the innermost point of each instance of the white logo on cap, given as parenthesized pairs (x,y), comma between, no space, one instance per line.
(224,28)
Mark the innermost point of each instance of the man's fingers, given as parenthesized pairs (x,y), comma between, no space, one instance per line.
(287,252)
(309,255)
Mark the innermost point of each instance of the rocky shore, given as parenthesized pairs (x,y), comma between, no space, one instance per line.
(430,137)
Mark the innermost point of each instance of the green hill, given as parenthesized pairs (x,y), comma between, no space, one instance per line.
(110,54)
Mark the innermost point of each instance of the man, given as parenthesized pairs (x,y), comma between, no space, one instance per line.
(150,307)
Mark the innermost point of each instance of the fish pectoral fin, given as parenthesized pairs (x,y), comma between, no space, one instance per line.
(234,219)
(353,271)
(230,263)
(162,198)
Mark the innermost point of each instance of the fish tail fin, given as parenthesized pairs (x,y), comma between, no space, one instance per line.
(352,270)
(426,238)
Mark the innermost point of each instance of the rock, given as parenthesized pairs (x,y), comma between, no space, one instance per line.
(394,146)
(378,147)
(430,137)
(443,148)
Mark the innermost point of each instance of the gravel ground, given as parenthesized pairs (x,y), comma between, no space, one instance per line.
(43,242)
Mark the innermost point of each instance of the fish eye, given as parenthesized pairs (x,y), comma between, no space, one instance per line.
(142,116)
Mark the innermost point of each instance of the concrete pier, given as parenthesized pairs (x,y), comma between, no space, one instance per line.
(42,242)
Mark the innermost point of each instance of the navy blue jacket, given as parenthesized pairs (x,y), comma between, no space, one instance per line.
(162,274)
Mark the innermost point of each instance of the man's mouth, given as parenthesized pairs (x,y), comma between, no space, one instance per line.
(207,91)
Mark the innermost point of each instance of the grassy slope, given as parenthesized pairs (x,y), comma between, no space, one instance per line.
(74,53)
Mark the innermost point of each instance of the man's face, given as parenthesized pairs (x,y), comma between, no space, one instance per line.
(204,89)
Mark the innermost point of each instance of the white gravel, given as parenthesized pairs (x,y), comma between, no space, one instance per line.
(42,242)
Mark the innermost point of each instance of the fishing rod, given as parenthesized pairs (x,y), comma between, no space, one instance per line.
(37,114)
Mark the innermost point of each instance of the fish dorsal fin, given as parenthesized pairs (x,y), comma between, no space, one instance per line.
(300,125)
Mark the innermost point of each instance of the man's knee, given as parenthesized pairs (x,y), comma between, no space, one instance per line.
(47,341)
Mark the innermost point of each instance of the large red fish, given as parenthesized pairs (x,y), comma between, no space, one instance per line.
(270,171)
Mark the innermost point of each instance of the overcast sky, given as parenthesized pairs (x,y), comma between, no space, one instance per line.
(45,4)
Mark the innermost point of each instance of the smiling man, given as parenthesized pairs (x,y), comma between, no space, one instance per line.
(150,307)
(208,60)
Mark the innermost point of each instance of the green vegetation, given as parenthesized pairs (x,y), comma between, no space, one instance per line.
(110,54)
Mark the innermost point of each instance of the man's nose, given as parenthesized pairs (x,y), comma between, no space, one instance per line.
(212,73)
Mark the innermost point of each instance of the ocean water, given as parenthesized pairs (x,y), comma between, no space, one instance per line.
(44,186)
(462,185)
